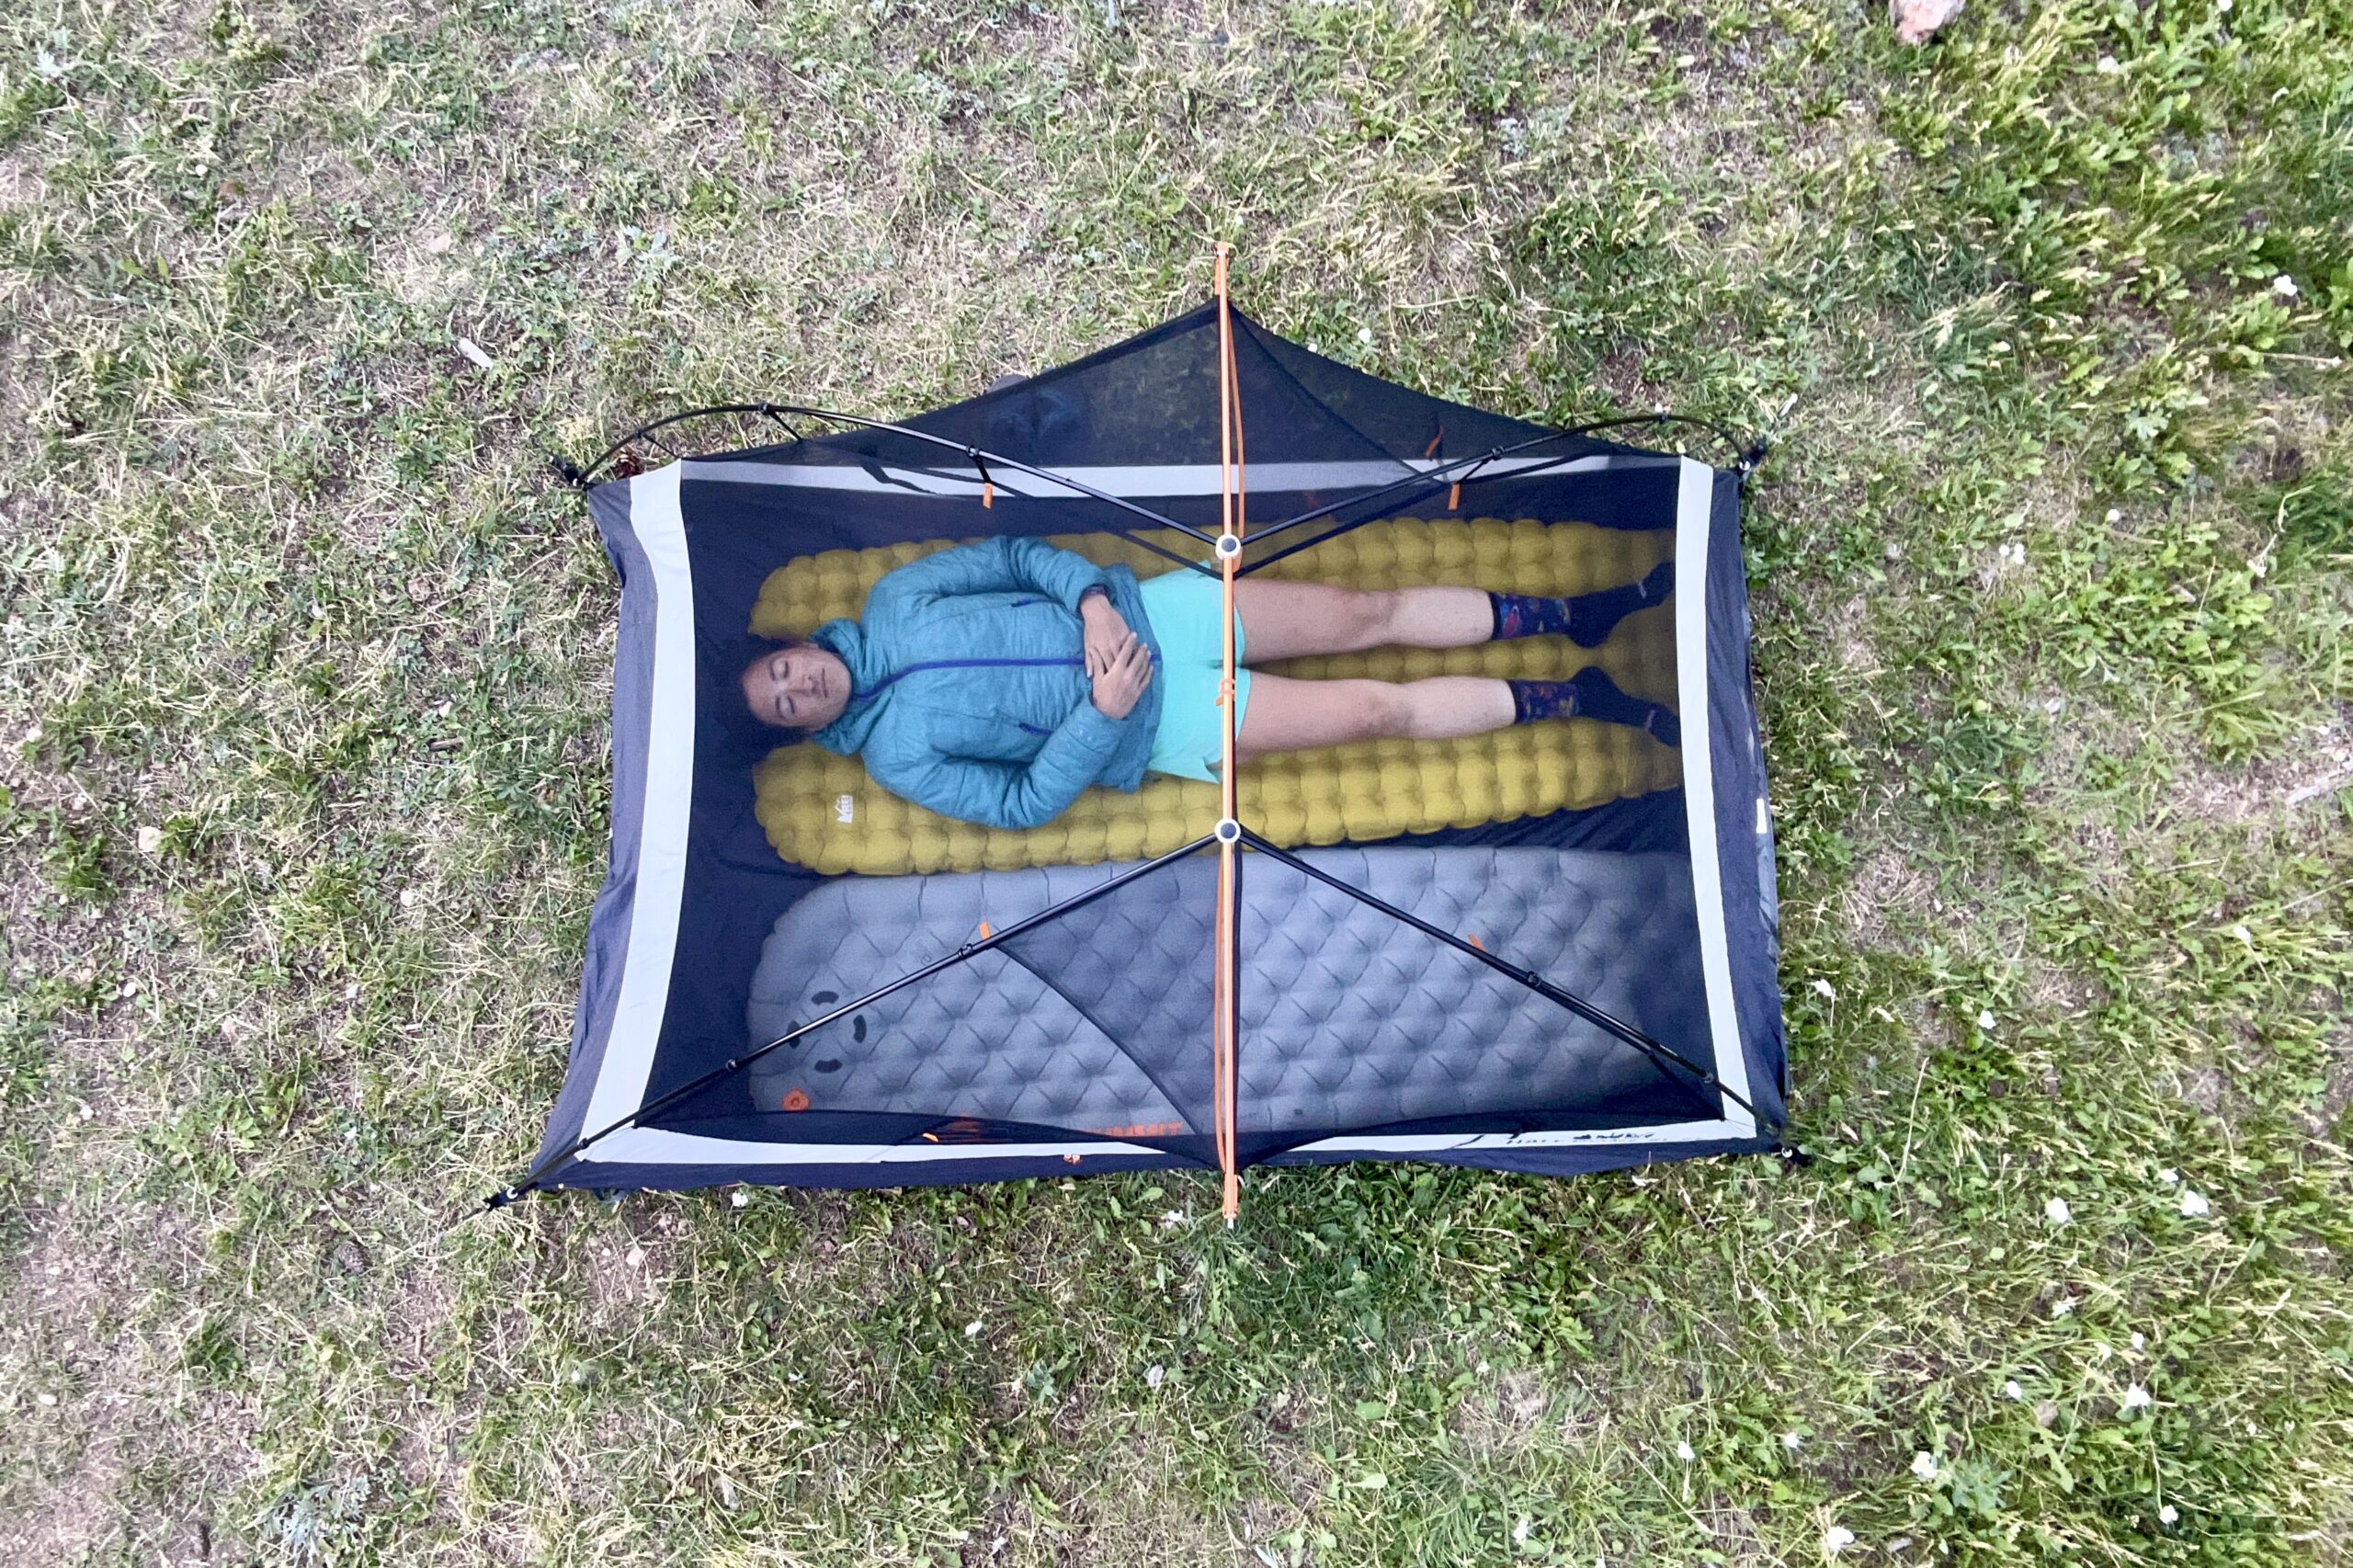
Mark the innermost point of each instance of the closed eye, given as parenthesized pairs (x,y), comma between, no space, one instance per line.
(780,671)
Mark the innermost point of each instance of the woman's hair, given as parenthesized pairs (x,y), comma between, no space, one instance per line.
(729,664)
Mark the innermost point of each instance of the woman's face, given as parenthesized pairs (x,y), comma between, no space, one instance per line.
(802,687)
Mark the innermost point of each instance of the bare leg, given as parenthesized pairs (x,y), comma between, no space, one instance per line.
(1293,715)
(1292,621)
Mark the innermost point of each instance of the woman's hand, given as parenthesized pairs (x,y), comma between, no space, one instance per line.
(1106,631)
(1120,682)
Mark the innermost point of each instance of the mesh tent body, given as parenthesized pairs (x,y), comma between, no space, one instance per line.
(1547,991)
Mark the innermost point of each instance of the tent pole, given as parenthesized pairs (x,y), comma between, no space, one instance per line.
(1226,1027)
(1660,1055)
(969,453)
(1461,471)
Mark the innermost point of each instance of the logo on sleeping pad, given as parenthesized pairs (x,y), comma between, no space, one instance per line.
(797,1098)
(845,809)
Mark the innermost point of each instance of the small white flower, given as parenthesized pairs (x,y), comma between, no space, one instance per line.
(2137,1398)
(2063,1306)
(1153,1374)
(2193,1202)
(972,1329)
(1825,990)
(1520,1530)
(1364,335)
(2168,1175)
(2285,287)
(1984,1018)
(2140,1341)
(2012,1391)
(2168,1514)
(2108,66)
(1792,1441)
(2057,1212)
(1835,1540)
(351,992)
(46,1401)
(1174,1217)
(741,1200)
(1923,1465)
(2244,936)
(1484,1368)
(151,838)
(408,898)
(1682,1451)
(2114,516)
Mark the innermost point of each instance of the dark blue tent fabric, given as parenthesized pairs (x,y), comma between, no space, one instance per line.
(696,894)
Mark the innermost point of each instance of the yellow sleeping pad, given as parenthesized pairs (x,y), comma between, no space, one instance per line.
(821,811)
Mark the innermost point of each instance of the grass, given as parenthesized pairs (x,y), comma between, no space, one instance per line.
(303,775)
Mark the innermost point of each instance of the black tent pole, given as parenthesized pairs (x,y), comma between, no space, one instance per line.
(1433,478)
(1462,469)
(969,453)
(1658,1053)
(540,1172)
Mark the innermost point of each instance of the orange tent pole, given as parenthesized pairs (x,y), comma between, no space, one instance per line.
(1225,1060)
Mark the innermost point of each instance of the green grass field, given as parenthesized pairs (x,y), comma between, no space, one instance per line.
(303,773)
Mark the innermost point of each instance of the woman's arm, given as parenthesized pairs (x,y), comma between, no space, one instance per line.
(1003,564)
(1004,794)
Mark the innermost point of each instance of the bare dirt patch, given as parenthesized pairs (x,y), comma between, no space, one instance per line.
(75,1517)
(2292,790)
(1508,1419)
(94,1339)
(2205,1088)
(1888,895)
(2338,1096)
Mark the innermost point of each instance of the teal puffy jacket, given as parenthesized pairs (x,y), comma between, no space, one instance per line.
(969,686)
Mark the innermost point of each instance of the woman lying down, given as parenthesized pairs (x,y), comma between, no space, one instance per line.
(995,682)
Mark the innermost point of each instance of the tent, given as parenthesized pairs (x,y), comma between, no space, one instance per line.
(1548,949)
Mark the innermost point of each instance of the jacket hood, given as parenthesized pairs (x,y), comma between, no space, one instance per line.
(847,641)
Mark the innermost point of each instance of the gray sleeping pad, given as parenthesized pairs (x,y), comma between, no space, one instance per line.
(1099,1018)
